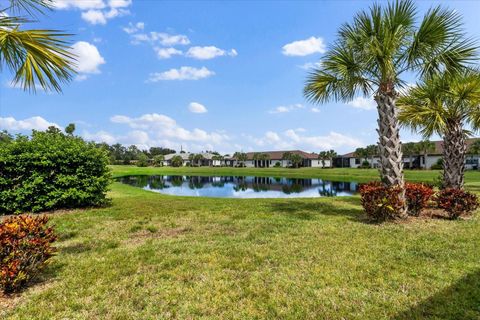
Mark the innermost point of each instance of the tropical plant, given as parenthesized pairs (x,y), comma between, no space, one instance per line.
(198,159)
(331,154)
(176,161)
(372,54)
(37,57)
(241,157)
(158,160)
(294,158)
(445,105)
(323,156)
(370,152)
(362,153)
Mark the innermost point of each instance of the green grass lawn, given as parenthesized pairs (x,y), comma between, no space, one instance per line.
(151,256)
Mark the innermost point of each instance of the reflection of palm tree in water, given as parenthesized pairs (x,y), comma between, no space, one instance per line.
(241,184)
(292,188)
(327,190)
(176,181)
(195,182)
(157,183)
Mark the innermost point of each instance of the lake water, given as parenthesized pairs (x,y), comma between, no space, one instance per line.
(241,187)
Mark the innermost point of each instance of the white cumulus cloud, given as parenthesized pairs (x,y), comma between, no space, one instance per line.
(285,109)
(183,73)
(88,59)
(162,38)
(363,103)
(209,52)
(33,123)
(96,11)
(196,107)
(304,47)
(165,53)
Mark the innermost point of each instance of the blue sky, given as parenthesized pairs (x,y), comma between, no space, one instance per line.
(223,76)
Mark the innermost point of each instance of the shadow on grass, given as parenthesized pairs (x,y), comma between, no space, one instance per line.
(459,301)
(308,210)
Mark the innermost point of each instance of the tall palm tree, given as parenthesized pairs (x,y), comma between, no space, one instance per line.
(445,105)
(36,56)
(372,53)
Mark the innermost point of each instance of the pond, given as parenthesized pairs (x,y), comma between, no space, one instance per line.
(241,187)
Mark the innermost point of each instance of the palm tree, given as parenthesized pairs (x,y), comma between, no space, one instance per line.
(372,53)
(445,105)
(241,157)
(371,151)
(331,154)
(361,153)
(36,56)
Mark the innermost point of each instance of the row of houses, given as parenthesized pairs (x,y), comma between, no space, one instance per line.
(349,160)
(269,159)
(414,161)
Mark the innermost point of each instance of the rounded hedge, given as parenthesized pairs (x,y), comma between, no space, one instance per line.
(51,170)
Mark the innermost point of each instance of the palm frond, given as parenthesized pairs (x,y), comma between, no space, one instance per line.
(37,56)
(32,7)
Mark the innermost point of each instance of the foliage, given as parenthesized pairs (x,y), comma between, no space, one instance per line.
(5,137)
(295,159)
(456,202)
(51,170)
(142,160)
(417,196)
(277,164)
(380,202)
(158,160)
(36,57)
(365,165)
(176,161)
(438,165)
(70,129)
(241,157)
(25,248)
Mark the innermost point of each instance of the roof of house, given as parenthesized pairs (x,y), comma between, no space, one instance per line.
(278,155)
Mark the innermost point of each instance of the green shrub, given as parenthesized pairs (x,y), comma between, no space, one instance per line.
(380,202)
(456,202)
(142,160)
(277,164)
(365,165)
(51,170)
(176,161)
(158,160)
(25,248)
(417,196)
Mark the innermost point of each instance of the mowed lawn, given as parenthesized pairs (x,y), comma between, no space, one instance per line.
(151,256)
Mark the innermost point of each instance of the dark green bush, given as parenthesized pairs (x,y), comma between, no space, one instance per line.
(51,170)
(438,165)
(142,160)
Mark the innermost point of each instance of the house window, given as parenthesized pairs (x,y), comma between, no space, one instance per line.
(357,161)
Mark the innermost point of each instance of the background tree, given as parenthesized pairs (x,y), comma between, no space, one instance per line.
(409,149)
(372,53)
(142,160)
(198,159)
(331,155)
(362,153)
(70,129)
(36,57)
(323,156)
(296,160)
(370,152)
(241,157)
(445,105)
(158,160)
(176,161)
(5,137)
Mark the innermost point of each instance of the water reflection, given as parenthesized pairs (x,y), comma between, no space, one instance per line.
(241,187)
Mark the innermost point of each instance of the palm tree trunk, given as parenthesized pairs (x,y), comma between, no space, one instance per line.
(390,147)
(454,149)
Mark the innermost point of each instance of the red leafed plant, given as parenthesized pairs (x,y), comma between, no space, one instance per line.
(380,202)
(456,202)
(25,248)
(417,195)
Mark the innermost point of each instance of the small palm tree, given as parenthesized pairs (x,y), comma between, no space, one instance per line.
(445,105)
(361,153)
(36,56)
(371,55)
(331,154)
(242,157)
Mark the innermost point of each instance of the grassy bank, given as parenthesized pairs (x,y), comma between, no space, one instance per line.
(151,256)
